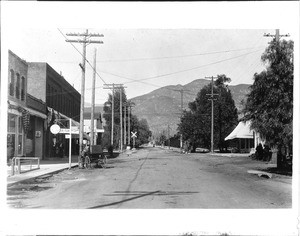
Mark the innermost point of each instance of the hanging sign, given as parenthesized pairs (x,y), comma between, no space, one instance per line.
(55,129)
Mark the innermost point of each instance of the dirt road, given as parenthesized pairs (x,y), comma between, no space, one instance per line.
(155,178)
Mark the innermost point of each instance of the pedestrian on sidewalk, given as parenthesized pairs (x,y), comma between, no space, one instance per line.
(267,153)
(259,152)
(61,150)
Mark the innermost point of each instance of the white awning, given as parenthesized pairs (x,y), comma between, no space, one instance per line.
(241,131)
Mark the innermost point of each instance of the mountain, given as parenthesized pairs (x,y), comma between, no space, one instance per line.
(162,107)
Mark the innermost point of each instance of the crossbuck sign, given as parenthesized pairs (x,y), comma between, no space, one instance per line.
(133,135)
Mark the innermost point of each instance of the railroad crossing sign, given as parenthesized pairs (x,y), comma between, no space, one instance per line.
(133,135)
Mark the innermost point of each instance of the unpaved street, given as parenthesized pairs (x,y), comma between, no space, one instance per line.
(155,178)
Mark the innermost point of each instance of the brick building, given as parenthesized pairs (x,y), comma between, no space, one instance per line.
(62,101)
(26,114)
(98,126)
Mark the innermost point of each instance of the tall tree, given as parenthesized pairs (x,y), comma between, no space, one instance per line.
(269,104)
(195,122)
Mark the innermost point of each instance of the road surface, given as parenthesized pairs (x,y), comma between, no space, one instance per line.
(156,178)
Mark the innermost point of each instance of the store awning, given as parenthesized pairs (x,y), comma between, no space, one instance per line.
(36,113)
(242,130)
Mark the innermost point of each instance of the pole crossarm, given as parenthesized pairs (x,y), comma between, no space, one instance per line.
(83,41)
(85,34)
(277,36)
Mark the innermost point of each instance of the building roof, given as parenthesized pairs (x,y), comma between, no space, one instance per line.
(242,130)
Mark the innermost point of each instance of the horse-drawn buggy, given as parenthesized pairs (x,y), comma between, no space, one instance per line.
(93,154)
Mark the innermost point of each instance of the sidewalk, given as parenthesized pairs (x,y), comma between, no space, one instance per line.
(49,166)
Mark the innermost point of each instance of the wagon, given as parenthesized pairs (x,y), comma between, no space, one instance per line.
(95,155)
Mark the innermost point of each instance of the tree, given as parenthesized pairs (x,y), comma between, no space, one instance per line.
(195,122)
(269,105)
(143,132)
(141,126)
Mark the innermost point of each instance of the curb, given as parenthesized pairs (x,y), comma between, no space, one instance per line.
(30,178)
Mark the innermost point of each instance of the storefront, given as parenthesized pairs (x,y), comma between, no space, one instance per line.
(15,134)
(25,131)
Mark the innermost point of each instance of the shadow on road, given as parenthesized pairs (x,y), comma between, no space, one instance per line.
(139,194)
(125,200)
(157,193)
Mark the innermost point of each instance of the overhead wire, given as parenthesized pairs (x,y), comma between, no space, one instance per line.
(194,68)
(167,74)
(171,57)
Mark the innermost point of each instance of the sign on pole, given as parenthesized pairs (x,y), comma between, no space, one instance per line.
(133,135)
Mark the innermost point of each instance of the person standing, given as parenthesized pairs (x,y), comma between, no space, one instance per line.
(259,152)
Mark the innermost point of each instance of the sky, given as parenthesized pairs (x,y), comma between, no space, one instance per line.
(143,59)
(159,44)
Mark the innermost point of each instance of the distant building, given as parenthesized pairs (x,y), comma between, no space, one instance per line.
(243,138)
(26,115)
(62,102)
(98,125)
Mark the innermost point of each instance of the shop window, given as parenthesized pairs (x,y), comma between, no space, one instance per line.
(11,136)
(18,86)
(20,136)
(10,146)
(11,83)
(23,89)
(11,123)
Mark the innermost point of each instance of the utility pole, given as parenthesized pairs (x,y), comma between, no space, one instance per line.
(277,36)
(85,41)
(130,105)
(121,125)
(93,99)
(112,115)
(120,87)
(181,99)
(125,107)
(212,112)
(169,136)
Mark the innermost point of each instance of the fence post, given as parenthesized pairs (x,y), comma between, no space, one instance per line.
(19,165)
(13,166)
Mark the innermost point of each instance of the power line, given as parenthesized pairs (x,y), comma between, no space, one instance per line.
(166,57)
(143,80)
(171,57)
(181,71)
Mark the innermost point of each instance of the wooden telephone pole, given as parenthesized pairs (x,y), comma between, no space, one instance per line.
(85,40)
(120,87)
(181,99)
(93,99)
(212,112)
(130,105)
